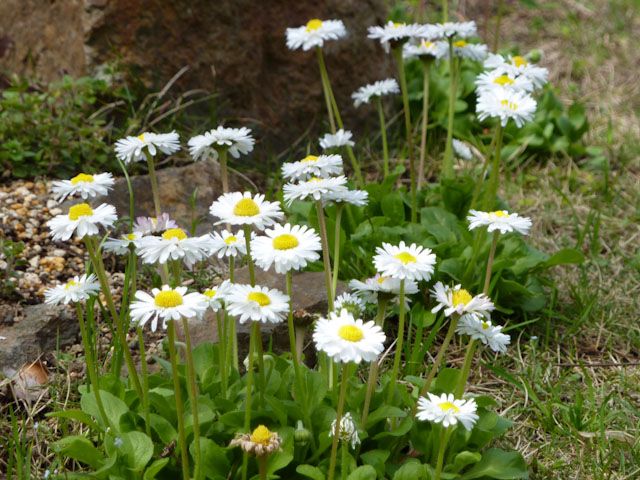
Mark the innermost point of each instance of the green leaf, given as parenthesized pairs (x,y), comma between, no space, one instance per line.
(214,462)
(393,207)
(384,412)
(442,225)
(310,471)
(377,459)
(463,459)
(113,406)
(365,472)
(564,257)
(138,449)
(75,414)
(155,468)
(163,428)
(79,448)
(500,465)
(412,470)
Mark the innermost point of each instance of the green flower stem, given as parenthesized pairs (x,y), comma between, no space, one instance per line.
(182,436)
(373,368)
(442,447)
(155,189)
(98,266)
(324,77)
(193,396)
(232,336)
(447,162)
(339,413)
(478,186)
(248,402)
(224,171)
(325,253)
(492,254)
(445,11)
(400,338)
(262,467)
(383,134)
(131,197)
(494,176)
(91,367)
(336,247)
(496,34)
(397,52)
(415,351)
(252,269)
(222,351)
(343,462)
(261,374)
(295,355)
(145,382)
(426,64)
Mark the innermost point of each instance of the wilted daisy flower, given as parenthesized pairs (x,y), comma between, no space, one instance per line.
(258,304)
(462,150)
(520,66)
(174,244)
(131,149)
(481,329)
(314,34)
(345,339)
(394,34)
(342,138)
(238,208)
(447,410)
(380,88)
(83,220)
(316,188)
(215,297)
(260,442)
(313,166)
(228,244)
(459,301)
(83,184)
(351,303)
(287,247)
(151,225)
(166,304)
(75,290)
(500,220)
(454,29)
(236,141)
(379,284)
(506,104)
(471,51)
(120,246)
(502,78)
(359,198)
(348,432)
(426,49)
(411,262)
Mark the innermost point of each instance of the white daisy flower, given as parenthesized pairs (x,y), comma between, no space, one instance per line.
(258,304)
(316,188)
(358,198)
(166,304)
(459,301)
(228,244)
(287,247)
(471,51)
(380,88)
(503,78)
(313,166)
(120,246)
(371,287)
(394,33)
(426,49)
(482,329)
(75,290)
(131,149)
(454,29)
(215,297)
(506,104)
(151,225)
(462,150)
(350,302)
(236,141)
(448,410)
(238,208)
(411,262)
(174,244)
(314,34)
(345,339)
(348,432)
(83,184)
(342,138)
(83,220)
(500,220)
(519,66)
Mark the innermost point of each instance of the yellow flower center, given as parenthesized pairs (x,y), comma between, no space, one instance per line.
(261,435)
(168,299)
(350,333)
(500,213)
(503,80)
(209,292)
(246,208)
(398,24)
(231,240)
(260,298)
(285,241)
(80,210)
(177,233)
(426,44)
(82,177)
(509,105)
(381,280)
(405,257)
(315,179)
(460,297)
(446,406)
(141,137)
(314,24)
(519,61)
(460,43)
(310,158)
(70,284)
(485,325)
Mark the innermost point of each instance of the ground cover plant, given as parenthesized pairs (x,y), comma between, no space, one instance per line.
(378,402)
